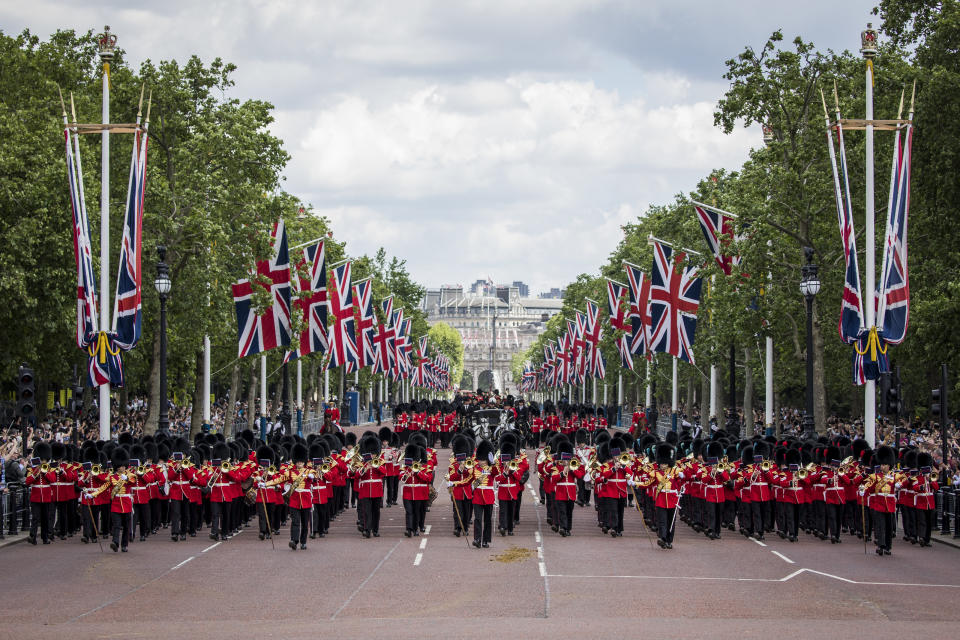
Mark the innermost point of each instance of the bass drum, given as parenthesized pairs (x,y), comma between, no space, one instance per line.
(250,497)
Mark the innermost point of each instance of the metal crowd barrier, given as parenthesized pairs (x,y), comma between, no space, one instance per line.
(947,499)
(15,509)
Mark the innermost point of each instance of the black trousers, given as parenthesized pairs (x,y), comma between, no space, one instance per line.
(63,517)
(745,516)
(179,516)
(506,514)
(42,514)
(565,511)
(463,509)
(834,518)
(551,508)
(729,512)
(142,513)
(819,516)
(664,520)
(370,514)
(482,522)
(88,516)
(924,521)
(883,526)
(155,514)
(516,507)
(415,512)
(122,525)
(265,514)
(393,487)
(714,515)
(614,513)
(757,513)
(908,516)
(218,518)
(791,521)
(299,525)
(321,518)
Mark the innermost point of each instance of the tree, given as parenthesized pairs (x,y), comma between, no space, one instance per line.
(446,340)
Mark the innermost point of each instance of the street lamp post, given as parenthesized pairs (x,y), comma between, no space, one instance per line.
(162,284)
(809,287)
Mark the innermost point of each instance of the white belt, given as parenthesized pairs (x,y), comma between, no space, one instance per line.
(62,484)
(714,486)
(484,487)
(41,486)
(885,495)
(819,485)
(835,489)
(302,490)
(561,484)
(221,484)
(668,491)
(759,484)
(924,494)
(407,484)
(180,482)
(617,480)
(374,480)
(123,495)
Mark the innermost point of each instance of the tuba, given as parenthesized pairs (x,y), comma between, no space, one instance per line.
(544,455)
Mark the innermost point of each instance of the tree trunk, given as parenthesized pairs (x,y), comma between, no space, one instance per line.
(819,376)
(689,408)
(153,399)
(748,392)
(252,394)
(124,399)
(230,412)
(196,414)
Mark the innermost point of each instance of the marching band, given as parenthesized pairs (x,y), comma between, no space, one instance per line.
(758,486)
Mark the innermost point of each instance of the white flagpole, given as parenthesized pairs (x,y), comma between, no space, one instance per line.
(768,410)
(619,394)
(713,391)
(206,379)
(675,396)
(648,397)
(263,396)
(870,388)
(106,56)
(299,383)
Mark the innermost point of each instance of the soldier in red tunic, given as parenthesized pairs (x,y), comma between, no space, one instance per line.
(880,489)
(417,476)
(567,470)
(482,478)
(458,481)
(40,478)
(369,475)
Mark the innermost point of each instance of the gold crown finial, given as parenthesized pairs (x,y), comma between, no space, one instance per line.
(107,43)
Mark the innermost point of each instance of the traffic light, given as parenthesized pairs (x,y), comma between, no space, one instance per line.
(938,407)
(893,400)
(26,392)
(885,386)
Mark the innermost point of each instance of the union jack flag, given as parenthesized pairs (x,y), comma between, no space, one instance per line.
(639,310)
(257,333)
(406,349)
(366,322)
(592,334)
(617,309)
(674,301)
(894,298)
(717,227)
(384,340)
(580,346)
(343,346)
(565,356)
(313,305)
(399,357)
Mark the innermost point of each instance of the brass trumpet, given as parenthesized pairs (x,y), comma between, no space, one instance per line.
(96,469)
(224,466)
(765,465)
(513,466)
(624,458)
(803,473)
(469,463)
(416,466)
(44,468)
(574,464)
(324,468)
(142,469)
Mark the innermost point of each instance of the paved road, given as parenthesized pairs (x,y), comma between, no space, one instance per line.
(534,584)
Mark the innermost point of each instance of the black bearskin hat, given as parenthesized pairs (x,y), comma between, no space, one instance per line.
(664,453)
(120,457)
(885,455)
(484,451)
(265,453)
(42,450)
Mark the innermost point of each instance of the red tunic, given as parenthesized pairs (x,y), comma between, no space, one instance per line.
(41,485)
(567,482)
(483,493)
(416,486)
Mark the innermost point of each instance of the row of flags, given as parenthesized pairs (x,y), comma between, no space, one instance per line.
(354,339)
(655,313)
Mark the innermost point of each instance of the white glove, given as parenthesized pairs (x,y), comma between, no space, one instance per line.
(449,484)
(311,476)
(88,495)
(262,485)
(123,477)
(630,482)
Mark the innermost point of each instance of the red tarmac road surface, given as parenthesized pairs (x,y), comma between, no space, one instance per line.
(437,586)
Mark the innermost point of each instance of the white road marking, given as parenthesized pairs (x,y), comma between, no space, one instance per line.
(543,570)
(423,544)
(767,580)
(536,536)
(529,486)
(365,581)
(183,563)
(540,553)
(416,561)
(534,494)
(783,557)
(426,529)
(215,544)
(762,544)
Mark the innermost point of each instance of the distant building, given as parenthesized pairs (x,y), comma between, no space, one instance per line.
(523,288)
(519,320)
(553,294)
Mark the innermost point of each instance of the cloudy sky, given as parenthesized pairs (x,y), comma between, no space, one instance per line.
(477,138)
